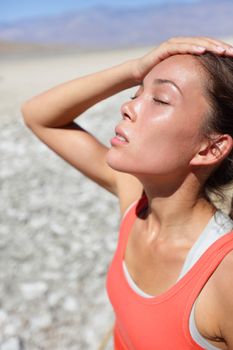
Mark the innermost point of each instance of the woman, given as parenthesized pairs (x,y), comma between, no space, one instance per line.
(170,281)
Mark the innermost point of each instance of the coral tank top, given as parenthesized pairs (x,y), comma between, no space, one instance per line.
(160,322)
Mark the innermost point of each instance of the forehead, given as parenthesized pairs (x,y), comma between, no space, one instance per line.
(184,70)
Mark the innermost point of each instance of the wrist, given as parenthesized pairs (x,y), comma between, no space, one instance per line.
(138,71)
(131,73)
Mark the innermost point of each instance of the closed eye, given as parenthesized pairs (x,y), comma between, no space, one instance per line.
(160,101)
(154,99)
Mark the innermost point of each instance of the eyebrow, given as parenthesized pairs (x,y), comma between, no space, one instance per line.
(166,81)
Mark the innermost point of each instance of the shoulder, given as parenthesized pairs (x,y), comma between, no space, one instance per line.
(223,290)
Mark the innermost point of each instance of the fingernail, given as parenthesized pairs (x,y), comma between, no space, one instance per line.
(200,48)
(220,48)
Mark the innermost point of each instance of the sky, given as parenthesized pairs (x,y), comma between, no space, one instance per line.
(11,10)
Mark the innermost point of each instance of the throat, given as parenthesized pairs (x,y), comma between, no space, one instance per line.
(180,228)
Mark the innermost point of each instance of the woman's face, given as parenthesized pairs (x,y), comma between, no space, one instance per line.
(162,123)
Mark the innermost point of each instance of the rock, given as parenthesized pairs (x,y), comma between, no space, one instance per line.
(14,343)
(42,321)
(3,317)
(34,290)
(70,304)
(53,262)
(57,227)
(37,222)
(51,275)
(54,298)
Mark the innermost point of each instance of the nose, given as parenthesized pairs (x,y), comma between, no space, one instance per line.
(128,111)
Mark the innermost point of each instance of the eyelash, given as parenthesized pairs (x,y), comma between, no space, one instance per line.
(154,99)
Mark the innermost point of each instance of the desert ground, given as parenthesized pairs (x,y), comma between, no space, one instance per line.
(58,230)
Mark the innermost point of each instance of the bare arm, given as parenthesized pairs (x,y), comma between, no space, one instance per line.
(222,282)
(59,106)
(51,114)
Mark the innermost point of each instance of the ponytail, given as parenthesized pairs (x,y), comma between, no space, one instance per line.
(219,89)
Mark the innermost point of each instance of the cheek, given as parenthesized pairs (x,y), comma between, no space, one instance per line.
(164,148)
(159,145)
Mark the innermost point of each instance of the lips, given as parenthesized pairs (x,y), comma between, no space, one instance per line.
(121,134)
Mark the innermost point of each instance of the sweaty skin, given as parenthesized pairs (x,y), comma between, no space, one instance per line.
(157,140)
(161,121)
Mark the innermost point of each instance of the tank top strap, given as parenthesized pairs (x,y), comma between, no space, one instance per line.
(203,269)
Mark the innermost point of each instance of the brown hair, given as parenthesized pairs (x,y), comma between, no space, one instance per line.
(219,87)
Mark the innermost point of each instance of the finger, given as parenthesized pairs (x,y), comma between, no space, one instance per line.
(207,42)
(202,40)
(216,45)
(193,45)
(218,42)
(166,50)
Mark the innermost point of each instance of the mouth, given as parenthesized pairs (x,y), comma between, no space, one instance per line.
(121,137)
(121,134)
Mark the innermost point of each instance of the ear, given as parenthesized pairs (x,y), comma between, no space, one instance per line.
(213,151)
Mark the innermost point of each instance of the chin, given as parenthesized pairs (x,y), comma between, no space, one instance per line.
(117,162)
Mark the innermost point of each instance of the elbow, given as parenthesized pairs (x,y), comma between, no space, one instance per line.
(26,113)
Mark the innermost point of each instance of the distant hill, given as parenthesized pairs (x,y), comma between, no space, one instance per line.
(108,27)
(9,48)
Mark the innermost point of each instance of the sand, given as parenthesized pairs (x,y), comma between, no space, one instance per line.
(58,230)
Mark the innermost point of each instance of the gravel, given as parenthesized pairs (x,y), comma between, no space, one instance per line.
(58,230)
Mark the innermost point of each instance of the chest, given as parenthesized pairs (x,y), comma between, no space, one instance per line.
(155,267)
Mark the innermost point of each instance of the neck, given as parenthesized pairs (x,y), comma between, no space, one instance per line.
(176,213)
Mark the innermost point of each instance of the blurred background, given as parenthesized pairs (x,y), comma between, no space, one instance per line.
(106,24)
(58,230)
